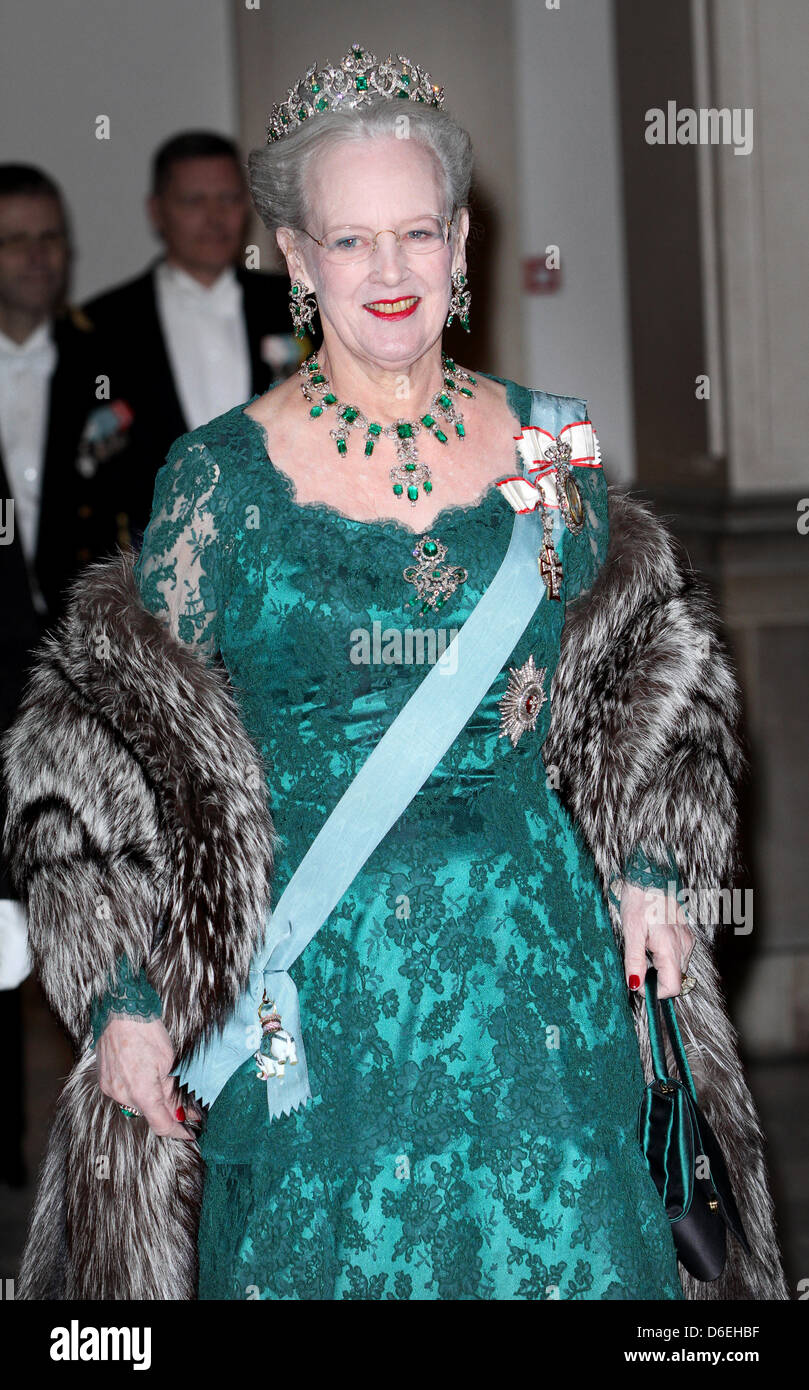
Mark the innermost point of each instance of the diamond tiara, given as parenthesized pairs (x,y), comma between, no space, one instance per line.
(359,78)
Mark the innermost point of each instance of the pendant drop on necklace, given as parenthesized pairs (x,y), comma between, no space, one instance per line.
(410,470)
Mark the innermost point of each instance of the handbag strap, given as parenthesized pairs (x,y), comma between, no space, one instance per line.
(658,1010)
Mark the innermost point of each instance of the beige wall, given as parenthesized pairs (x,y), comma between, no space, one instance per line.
(467,47)
(760,54)
(570,197)
(759,60)
(152,67)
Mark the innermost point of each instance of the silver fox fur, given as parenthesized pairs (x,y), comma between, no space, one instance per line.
(137,822)
(645,734)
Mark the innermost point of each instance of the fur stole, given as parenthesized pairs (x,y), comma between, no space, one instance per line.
(137,823)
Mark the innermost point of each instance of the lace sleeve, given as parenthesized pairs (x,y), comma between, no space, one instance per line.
(643,872)
(179,576)
(179,568)
(130,993)
(646,873)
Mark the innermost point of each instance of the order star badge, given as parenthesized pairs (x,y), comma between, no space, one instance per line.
(522,701)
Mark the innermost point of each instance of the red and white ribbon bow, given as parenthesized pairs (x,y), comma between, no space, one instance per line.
(540,452)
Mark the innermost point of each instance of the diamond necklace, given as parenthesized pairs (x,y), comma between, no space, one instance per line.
(409,470)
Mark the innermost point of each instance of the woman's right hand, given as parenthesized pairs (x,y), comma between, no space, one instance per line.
(134,1057)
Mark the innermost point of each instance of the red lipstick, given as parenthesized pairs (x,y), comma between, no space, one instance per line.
(383,308)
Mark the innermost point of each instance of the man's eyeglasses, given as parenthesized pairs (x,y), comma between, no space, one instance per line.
(418,237)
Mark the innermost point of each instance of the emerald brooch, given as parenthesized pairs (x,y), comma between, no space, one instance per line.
(433,581)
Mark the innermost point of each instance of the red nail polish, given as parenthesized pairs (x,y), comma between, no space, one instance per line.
(634,982)
(180,1114)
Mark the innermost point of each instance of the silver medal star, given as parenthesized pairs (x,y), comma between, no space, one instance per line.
(522,701)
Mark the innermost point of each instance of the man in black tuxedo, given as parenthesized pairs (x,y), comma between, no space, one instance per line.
(53,430)
(194,334)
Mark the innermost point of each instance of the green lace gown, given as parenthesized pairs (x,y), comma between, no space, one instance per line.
(472,1057)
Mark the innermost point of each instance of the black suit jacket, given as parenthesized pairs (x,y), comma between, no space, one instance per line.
(127,318)
(72,530)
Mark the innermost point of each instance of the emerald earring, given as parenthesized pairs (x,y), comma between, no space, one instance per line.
(302,307)
(460,300)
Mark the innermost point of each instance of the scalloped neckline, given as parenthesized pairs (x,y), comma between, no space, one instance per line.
(383,523)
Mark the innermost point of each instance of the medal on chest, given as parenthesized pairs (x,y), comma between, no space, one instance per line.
(524,697)
(567,492)
(549,484)
(550,567)
(277,1046)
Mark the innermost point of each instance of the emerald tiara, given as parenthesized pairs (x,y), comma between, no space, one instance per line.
(359,78)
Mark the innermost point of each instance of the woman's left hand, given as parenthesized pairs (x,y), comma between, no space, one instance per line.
(657,924)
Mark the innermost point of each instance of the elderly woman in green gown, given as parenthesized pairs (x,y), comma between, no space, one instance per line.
(317,1217)
(473,1068)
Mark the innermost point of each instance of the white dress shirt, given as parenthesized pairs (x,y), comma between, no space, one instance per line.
(25,377)
(15,955)
(206,339)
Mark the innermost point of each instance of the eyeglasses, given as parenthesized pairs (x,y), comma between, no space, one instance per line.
(419,237)
(20,241)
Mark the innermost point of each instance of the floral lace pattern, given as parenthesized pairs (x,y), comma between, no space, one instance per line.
(654,877)
(472,1057)
(641,870)
(130,994)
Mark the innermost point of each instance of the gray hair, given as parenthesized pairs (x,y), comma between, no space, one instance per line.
(277,171)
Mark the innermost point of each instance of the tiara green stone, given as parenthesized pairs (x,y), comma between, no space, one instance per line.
(359,79)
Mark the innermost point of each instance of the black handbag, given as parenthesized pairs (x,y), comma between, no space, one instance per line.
(683,1154)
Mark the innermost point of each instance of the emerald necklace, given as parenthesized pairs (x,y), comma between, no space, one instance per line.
(410,471)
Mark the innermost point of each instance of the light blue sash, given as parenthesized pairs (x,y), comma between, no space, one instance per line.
(406,755)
